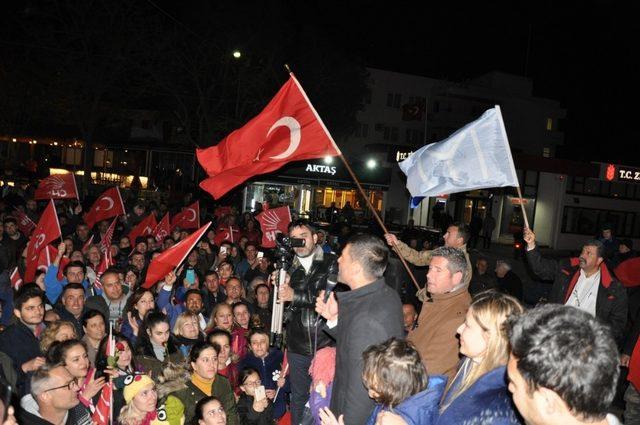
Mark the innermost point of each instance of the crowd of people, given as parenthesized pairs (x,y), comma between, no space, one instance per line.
(359,347)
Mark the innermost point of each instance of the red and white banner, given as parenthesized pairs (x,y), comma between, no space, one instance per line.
(47,231)
(288,129)
(272,222)
(57,186)
(108,205)
(16,280)
(162,230)
(105,242)
(168,260)
(144,228)
(188,218)
(25,224)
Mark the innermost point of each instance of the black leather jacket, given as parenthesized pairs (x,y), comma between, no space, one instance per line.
(301,315)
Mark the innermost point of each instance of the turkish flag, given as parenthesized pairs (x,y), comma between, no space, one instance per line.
(288,129)
(144,228)
(103,265)
(47,230)
(25,224)
(168,260)
(188,218)
(57,186)
(162,230)
(108,205)
(16,280)
(226,233)
(45,258)
(272,222)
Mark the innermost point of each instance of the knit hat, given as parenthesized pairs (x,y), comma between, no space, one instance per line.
(133,384)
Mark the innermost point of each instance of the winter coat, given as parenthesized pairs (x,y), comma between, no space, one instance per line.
(423,258)
(368,315)
(419,409)
(19,343)
(248,416)
(301,315)
(611,301)
(487,401)
(266,367)
(190,395)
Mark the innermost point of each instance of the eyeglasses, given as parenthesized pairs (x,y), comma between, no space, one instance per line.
(252,384)
(71,386)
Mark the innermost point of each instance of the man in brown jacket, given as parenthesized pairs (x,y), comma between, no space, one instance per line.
(456,237)
(435,336)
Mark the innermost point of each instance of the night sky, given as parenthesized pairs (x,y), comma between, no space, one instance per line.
(581,53)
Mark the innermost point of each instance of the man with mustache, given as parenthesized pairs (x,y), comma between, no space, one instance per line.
(584,282)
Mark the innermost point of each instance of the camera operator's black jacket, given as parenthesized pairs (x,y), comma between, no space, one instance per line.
(301,314)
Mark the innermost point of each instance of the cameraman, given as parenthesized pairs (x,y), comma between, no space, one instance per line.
(306,277)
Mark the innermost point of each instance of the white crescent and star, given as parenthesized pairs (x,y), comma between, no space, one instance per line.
(294,136)
(193,212)
(109,200)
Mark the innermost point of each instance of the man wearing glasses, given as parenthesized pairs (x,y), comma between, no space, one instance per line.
(53,398)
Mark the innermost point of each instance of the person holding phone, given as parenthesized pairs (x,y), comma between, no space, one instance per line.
(254,408)
(139,304)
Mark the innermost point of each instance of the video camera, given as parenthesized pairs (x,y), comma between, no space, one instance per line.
(287,242)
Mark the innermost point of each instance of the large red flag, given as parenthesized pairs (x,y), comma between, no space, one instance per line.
(288,129)
(25,224)
(108,205)
(47,230)
(172,257)
(188,218)
(57,186)
(144,228)
(272,222)
(162,230)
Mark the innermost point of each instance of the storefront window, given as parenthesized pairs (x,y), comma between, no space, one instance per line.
(588,221)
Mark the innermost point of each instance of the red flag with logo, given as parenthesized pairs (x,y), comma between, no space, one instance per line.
(108,205)
(16,280)
(144,228)
(163,229)
(172,257)
(25,224)
(46,257)
(188,218)
(105,243)
(57,186)
(288,129)
(272,222)
(103,265)
(47,231)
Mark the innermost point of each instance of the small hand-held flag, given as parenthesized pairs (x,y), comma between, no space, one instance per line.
(168,260)
(108,205)
(57,186)
(16,280)
(25,224)
(272,222)
(475,157)
(103,414)
(47,231)
(288,129)
(105,242)
(144,228)
(188,218)
(162,230)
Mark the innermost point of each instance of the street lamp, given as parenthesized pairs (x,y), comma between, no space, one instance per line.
(237,54)
(328,160)
(371,164)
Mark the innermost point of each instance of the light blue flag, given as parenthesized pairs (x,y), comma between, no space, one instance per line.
(475,157)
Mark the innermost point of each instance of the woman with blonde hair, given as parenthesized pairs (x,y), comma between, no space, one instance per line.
(478,393)
(60,331)
(187,332)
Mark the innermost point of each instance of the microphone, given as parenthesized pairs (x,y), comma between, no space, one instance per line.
(332,281)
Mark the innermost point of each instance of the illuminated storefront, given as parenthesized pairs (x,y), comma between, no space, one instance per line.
(310,188)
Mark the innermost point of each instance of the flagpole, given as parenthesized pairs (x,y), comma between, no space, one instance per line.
(378,219)
(112,349)
(353,176)
(524,212)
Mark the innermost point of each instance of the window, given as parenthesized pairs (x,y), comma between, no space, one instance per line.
(397,99)
(549,124)
(387,131)
(588,221)
(546,152)
(414,137)
(362,130)
(394,134)
(390,100)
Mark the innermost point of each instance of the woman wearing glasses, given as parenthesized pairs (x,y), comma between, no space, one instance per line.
(204,382)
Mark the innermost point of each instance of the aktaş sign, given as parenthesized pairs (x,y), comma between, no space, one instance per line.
(317,168)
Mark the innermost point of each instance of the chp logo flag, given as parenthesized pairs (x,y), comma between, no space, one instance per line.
(272,222)
(108,205)
(105,243)
(57,186)
(288,129)
(168,260)
(162,230)
(475,157)
(47,230)
(25,224)
(144,228)
(188,218)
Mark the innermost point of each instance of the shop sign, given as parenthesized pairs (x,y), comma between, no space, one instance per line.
(322,169)
(613,172)
(402,155)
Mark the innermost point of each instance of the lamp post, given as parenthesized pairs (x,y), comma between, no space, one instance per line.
(237,55)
